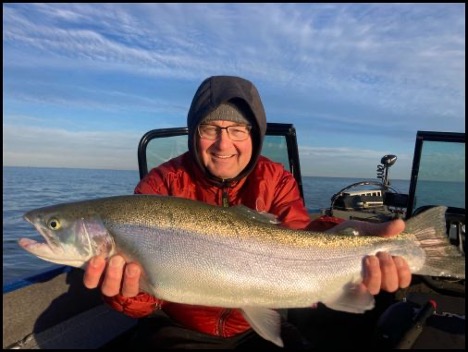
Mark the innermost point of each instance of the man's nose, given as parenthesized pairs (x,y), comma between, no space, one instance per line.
(223,139)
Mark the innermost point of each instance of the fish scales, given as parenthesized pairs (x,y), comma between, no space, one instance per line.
(194,253)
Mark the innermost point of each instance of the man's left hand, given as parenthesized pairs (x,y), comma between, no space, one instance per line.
(381,271)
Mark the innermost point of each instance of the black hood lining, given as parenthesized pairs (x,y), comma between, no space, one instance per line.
(238,91)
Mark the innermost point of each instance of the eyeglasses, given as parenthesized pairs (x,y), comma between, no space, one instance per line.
(235,133)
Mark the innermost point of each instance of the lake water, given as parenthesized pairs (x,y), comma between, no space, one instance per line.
(26,188)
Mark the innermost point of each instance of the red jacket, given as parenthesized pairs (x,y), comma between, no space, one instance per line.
(268,188)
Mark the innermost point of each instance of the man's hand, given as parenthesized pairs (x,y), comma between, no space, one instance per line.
(382,271)
(117,277)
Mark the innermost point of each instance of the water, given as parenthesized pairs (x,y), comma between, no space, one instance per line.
(453,193)
(28,188)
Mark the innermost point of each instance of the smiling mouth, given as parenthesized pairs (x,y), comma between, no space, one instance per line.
(223,156)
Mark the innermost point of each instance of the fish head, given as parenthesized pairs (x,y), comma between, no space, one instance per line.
(71,236)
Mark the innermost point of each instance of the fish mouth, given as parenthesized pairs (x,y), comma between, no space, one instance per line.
(44,250)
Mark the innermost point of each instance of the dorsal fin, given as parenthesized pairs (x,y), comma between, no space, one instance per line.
(260,216)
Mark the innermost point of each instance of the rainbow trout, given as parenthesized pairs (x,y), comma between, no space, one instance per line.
(200,254)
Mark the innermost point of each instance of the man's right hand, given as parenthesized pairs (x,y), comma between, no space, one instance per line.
(117,276)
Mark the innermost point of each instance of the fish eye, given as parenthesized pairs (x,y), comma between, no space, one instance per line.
(53,224)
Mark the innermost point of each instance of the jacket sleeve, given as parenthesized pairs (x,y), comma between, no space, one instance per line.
(286,202)
(323,223)
(153,183)
(139,306)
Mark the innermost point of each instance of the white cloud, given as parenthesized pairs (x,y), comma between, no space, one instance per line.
(386,69)
(352,162)
(25,145)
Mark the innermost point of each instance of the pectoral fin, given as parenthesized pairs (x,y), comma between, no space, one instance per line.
(266,322)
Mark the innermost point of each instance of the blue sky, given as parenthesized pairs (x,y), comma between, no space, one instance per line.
(82,83)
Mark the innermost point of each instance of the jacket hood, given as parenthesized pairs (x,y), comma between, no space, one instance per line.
(214,91)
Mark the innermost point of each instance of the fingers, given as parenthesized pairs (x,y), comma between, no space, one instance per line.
(390,281)
(390,228)
(113,277)
(131,284)
(373,276)
(363,228)
(403,270)
(94,271)
(383,229)
(387,273)
(118,277)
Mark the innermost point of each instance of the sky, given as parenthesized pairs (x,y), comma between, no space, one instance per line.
(82,83)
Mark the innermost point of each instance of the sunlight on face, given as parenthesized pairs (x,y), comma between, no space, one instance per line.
(222,157)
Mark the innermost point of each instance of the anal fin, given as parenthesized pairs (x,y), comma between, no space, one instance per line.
(355,298)
(266,322)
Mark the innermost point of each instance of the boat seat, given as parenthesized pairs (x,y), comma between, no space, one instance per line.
(91,329)
(61,313)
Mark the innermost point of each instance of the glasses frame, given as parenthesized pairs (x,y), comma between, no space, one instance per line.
(219,129)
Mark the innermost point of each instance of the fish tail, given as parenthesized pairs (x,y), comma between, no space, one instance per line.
(442,258)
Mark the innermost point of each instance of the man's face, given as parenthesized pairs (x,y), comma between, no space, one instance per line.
(223,157)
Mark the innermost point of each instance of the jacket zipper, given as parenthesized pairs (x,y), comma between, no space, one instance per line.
(225,195)
(222,321)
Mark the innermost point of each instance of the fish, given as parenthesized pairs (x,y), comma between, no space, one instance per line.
(234,257)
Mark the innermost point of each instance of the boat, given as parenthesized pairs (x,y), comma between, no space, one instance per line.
(370,200)
(53,310)
(359,200)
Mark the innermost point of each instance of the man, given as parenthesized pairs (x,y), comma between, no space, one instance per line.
(223,166)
